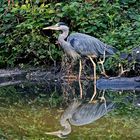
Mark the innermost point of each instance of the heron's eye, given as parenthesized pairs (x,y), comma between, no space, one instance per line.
(57,25)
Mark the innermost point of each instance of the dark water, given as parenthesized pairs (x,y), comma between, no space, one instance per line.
(30,110)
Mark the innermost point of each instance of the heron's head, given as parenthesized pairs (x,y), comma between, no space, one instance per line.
(59,26)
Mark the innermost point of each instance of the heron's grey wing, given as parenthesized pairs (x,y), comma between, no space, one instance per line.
(83,44)
(88,45)
(88,113)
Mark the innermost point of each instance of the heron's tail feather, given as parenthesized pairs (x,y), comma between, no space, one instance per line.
(111,50)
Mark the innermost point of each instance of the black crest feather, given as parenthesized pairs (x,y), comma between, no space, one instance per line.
(61,23)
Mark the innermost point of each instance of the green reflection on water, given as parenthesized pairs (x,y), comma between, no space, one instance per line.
(28,115)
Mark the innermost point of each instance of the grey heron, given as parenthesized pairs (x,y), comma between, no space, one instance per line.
(79,44)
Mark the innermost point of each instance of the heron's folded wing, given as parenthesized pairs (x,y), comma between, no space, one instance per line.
(86,45)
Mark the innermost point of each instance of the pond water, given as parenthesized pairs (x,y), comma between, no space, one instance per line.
(33,110)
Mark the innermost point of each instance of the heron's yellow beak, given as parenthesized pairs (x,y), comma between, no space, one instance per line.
(53,133)
(56,133)
(51,28)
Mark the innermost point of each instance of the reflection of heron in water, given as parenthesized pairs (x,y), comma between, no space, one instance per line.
(79,114)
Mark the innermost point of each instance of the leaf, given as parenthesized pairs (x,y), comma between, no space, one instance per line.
(1,40)
(1,9)
(51,11)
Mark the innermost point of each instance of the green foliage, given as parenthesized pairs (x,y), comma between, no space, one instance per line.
(114,22)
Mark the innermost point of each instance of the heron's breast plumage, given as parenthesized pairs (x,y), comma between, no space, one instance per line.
(69,50)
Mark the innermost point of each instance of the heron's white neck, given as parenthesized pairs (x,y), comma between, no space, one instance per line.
(67,127)
(63,36)
(69,50)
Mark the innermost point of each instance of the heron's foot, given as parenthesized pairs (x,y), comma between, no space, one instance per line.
(102,69)
(101,61)
(122,72)
(93,96)
(93,101)
(102,99)
(104,74)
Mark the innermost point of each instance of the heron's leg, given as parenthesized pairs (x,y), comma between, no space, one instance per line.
(122,70)
(103,58)
(102,99)
(102,65)
(94,65)
(99,67)
(79,80)
(94,93)
(81,90)
(80,69)
(102,61)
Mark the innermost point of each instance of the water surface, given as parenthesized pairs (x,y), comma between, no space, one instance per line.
(30,109)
